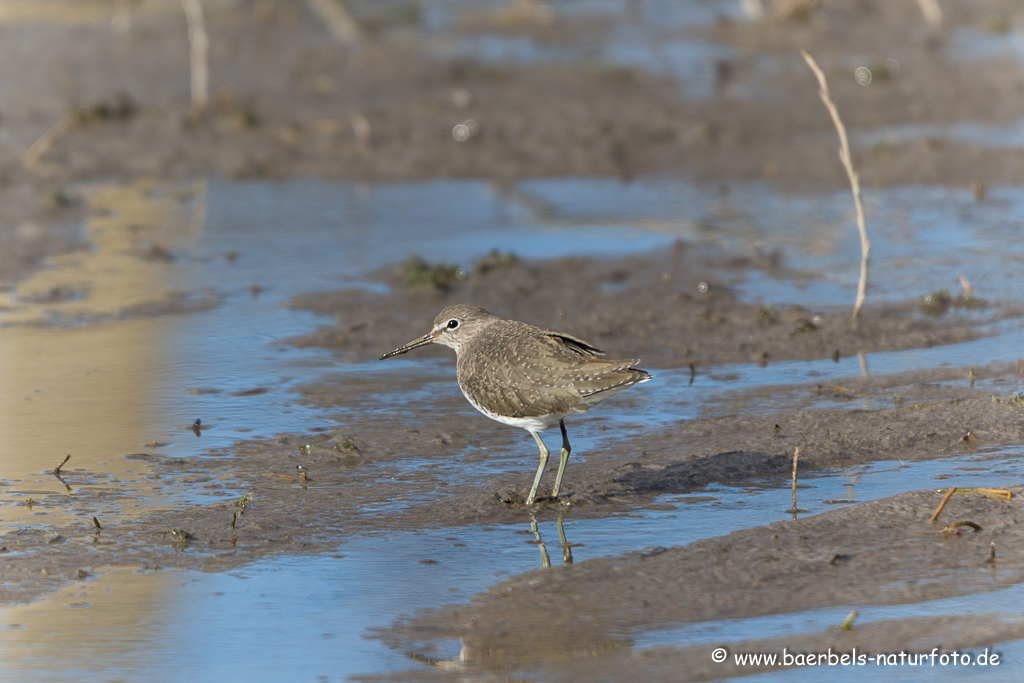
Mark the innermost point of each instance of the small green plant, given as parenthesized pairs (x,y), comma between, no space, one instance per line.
(117,108)
(496,260)
(416,271)
(996,23)
(766,315)
(936,303)
(804,325)
(897,399)
(940,301)
(409,14)
(970,302)
(615,74)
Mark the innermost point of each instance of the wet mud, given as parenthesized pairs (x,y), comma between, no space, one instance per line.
(289,102)
(371,474)
(670,309)
(860,555)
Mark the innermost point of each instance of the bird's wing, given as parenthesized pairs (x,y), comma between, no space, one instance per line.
(574,344)
(544,373)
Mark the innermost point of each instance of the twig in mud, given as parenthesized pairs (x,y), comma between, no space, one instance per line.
(363,131)
(844,157)
(40,147)
(965,284)
(796,457)
(991,554)
(997,492)
(198,44)
(234,518)
(952,528)
(339,20)
(932,13)
(753,10)
(848,621)
(96,523)
(56,470)
(945,499)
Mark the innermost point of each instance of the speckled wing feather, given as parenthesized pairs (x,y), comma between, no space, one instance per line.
(531,372)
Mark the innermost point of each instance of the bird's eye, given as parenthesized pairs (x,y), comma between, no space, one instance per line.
(452,324)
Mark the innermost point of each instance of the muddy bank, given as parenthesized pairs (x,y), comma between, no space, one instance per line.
(860,555)
(941,415)
(289,101)
(369,475)
(670,309)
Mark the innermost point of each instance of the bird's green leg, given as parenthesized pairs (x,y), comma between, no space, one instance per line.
(540,469)
(566,546)
(545,559)
(566,450)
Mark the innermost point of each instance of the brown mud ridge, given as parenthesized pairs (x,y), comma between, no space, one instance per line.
(671,309)
(290,101)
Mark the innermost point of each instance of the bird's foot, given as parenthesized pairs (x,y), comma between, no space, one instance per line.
(516,499)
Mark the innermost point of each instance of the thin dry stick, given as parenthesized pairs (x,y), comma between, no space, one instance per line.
(198,50)
(34,154)
(848,621)
(56,470)
(945,499)
(339,20)
(966,285)
(997,492)
(932,13)
(796,457)
(844,156)
(198,218)
(752,9)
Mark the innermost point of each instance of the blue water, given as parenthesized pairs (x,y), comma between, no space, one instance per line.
(305,617)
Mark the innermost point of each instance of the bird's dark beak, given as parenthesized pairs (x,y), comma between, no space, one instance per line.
(422,341)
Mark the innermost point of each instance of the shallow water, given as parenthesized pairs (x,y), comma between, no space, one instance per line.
(299,618)
(651,35)
(148,343)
